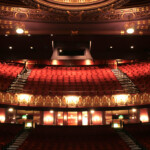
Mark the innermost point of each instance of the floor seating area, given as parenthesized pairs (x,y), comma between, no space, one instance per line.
(86,80)
(8,132)
(141,133)
(73,138)
(8,72)
(139,73)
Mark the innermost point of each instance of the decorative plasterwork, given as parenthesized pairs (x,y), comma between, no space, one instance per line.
(75,5)
(95,16)
(82,102)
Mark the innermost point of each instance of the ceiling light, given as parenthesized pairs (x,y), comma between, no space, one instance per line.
(111,47)
(60,50)
(19,31)
(10,47)
(132,47)
(130,30)
(31,47)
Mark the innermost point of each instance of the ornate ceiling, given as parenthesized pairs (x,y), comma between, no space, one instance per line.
(75,16)
(75,5)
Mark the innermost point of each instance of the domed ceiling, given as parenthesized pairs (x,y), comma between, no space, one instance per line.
(107,17)
(75,5)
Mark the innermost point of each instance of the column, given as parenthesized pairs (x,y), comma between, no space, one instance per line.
(79,118)
(65,116)
(41,117)
(103,118)
(55,117)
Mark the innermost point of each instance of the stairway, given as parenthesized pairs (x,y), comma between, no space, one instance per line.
(18,84)
(125,82)
(129,141)
(15,145)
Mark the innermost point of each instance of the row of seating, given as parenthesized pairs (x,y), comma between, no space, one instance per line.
(140,132)
(8,72)
(139,73)
(73,138)
(51,79)
(8,133)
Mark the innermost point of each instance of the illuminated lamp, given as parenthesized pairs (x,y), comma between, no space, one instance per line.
(88,62)
(121,98)
(80,117)
(65,117)
(29,124)
(19,30)
(133,110)
(92,111)
(120,117)
(48,119)
(130,30)
(59,115)
(54,62)
(72,100)
(24,116)
(2,119)
(116,125)
(144,118)
(96,118)
(10,109)
(60,50)
(24,97)
(51,111)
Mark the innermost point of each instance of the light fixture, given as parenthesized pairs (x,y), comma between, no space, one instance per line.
(31,47)
(92,111)
(123,98)
(54,62)
(24,97)
(133,110)
(2,119)
(29,34)
(72,100)
(60,50)
(130,30)
(59,115)
(51,111)
(65,117)
(111,47)
(6,34)
(132,47)
(10,47)
(88,62)
(10,109)
(19,30)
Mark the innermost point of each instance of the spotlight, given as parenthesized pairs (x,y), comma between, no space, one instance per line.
(130,30)
(19,31)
